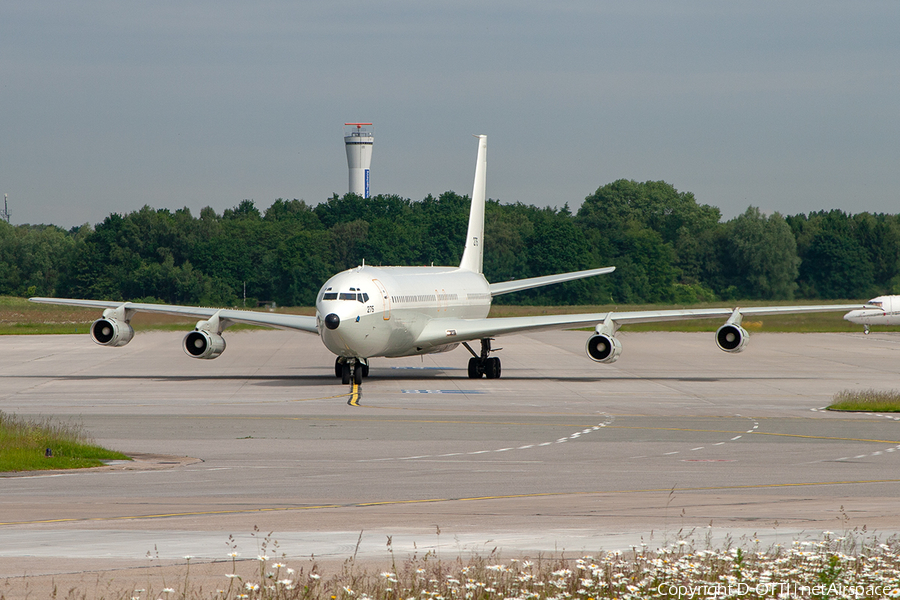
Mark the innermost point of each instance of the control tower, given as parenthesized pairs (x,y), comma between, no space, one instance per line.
(359,156)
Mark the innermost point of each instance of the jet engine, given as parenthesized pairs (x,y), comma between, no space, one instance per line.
(203,344)
(731,337)
(110,332)
(603,348)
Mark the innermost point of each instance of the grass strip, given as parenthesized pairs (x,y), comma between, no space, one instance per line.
(24,446)
(866,401)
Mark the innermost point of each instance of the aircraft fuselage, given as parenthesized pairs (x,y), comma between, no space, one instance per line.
(380,311)
(883,310)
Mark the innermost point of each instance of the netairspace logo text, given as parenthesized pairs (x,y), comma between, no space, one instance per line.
(776,590)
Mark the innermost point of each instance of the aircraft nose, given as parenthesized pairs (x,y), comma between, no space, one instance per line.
(332,321)
(860,314)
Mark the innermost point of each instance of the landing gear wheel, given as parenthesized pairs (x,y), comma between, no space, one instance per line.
(357,373)
(364,367)
(345,373)
(475,372)
(338,368)
(483,364)
(492,368)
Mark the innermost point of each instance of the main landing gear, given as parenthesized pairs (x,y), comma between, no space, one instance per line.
(483,364)
(351,369)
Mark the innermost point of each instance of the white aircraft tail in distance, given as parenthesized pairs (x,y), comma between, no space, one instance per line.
(371,312)
(883,310)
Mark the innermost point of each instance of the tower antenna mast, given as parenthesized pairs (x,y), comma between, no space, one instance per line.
(5,214)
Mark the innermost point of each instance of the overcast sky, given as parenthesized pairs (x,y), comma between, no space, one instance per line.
(110,105)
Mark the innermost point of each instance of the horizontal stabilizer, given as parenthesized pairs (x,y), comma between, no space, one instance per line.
(526,284)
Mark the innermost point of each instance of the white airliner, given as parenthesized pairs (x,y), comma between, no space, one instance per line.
(370,312)
(883,310)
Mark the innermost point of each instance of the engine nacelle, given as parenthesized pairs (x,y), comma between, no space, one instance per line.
(731,337)
(203,344)
(603,348)
(110,332)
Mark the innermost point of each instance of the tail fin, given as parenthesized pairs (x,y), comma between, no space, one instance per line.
(473,255)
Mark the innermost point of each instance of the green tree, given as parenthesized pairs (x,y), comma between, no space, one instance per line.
(838,267)
(760,256)
(624,219)
(834,262)
(507,232)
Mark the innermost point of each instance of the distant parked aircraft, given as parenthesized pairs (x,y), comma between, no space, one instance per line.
(883,310)
(368,312)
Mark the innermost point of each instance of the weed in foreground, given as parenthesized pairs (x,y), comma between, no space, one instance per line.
(866,401)
(848,566)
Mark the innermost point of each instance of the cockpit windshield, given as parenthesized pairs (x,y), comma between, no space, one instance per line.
(354,295)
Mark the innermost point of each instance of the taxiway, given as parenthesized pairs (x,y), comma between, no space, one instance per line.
(559,454)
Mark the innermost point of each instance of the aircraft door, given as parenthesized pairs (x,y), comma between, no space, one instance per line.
(385,298)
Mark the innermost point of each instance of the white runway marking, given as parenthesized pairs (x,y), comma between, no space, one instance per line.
(824,409)
(735,438)
(442,391)
(563,440)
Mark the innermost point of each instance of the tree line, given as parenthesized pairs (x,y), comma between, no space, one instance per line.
(666,247)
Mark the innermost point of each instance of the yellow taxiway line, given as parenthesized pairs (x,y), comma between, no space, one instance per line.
(434,500)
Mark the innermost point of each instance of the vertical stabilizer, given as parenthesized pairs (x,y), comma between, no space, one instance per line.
(472,258)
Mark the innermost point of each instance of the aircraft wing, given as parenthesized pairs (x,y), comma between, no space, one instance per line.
(446,331)
(280,321)
(505,287)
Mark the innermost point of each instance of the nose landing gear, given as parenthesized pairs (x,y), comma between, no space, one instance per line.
(351,369)
(483,364)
